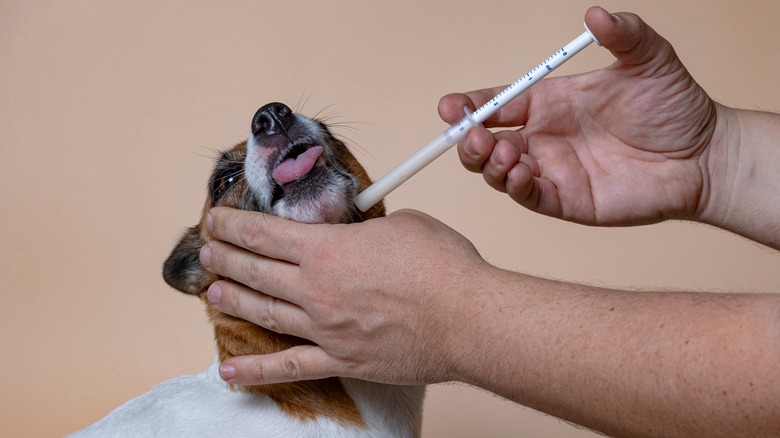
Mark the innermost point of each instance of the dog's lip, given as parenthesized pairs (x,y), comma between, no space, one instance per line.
(297,160)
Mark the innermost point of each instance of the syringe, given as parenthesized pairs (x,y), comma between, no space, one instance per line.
(450,137)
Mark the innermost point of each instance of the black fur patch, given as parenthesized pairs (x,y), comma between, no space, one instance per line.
(182,270)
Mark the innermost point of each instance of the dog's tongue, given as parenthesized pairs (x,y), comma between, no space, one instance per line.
(293,169)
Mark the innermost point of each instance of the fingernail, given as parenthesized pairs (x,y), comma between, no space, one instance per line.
(214,293)
(227,371)
(205,256)
(209,222)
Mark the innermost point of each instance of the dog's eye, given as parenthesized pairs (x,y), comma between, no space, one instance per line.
(223,182)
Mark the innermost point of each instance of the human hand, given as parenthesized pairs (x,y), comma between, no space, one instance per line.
(623,145)
(380,299)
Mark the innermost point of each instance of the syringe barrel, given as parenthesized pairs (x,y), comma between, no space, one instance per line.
(449,138)
(423,157)
(381,187)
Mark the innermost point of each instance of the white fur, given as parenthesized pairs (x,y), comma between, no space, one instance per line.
(203,406)
(258,169)
(329,204)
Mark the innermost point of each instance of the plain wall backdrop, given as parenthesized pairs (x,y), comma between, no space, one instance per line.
(110,113)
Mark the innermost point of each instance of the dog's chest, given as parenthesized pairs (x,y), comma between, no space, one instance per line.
(203,406)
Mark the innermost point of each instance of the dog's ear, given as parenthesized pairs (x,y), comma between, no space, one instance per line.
(182,270)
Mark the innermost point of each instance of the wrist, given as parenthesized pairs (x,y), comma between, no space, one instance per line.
(715,163)
(740,175)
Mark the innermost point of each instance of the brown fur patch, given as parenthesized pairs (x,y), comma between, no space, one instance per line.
(307,399)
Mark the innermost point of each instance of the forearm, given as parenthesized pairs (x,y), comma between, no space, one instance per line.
(742,191)
(628,363)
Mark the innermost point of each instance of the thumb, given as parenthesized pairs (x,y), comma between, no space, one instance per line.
(302,362)
(629,38)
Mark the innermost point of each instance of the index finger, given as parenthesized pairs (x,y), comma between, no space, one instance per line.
(261,233)
(515,113)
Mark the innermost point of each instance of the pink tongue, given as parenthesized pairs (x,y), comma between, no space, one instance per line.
(293,169)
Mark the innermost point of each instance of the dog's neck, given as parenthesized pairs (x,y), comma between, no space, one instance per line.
(350,403)
(305,400)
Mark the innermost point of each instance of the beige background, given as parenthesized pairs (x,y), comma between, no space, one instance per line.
(110,112)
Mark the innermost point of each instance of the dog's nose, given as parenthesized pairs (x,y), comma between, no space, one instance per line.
(272,119)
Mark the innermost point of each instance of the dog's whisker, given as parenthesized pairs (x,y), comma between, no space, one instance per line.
(303,100)
(324,116)
(317,115)
(214,153)
(352,144)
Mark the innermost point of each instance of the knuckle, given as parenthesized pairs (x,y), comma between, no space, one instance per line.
(229,300)
(267,316)
(257,370)
(291,365)
(252,274)
(419,219)
(406,215)
(251,234)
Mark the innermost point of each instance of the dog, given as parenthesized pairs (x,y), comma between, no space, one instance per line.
(290,166)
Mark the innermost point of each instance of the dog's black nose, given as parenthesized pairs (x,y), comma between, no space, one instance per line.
(272,119)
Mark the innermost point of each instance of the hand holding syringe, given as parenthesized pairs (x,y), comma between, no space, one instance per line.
(450,137)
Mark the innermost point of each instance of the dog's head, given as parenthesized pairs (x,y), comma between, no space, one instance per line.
(291,166)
